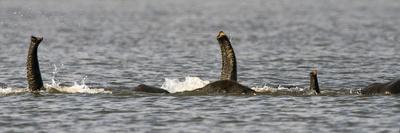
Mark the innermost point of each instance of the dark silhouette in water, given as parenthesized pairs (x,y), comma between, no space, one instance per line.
(314,81)
(224,87)
(33,71)
(228,71)
(392,87)
(149,89)
(228,83)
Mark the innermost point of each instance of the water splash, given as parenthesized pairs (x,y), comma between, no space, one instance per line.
(171,85)
(192,83)
(6,90)
(271,89)
(9,90)
(76,88)
(54,73)
(189,84)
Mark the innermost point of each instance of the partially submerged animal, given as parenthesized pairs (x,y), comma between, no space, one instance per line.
(228,83)
(314,81)
(34,77)
(392,87)
(149,89)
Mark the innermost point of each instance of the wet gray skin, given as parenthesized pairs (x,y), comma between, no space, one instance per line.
(392,87)
(224,87)
(314,81)
(149,89)
(228,71)
(34,77)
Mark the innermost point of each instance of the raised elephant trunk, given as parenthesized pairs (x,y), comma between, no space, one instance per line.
(314,81)
(33,72)
(228,58)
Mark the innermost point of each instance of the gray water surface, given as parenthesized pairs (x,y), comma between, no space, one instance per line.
(119,44)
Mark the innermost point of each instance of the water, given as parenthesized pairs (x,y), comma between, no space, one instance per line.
(102,45)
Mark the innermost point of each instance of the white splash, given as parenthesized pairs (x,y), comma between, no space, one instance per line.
(53,78)
(76,88)
(9,90)
(266,88)
(189,84)
(192,83)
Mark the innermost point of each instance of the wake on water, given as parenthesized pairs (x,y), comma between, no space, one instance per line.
(51,88)
(172,85)
(55,87)
(175,86)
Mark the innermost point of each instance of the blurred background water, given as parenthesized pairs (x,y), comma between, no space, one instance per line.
(120,44)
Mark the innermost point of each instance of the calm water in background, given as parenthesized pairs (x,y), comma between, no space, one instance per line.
(119,44)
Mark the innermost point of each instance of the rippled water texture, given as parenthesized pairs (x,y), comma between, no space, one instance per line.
(118,44)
